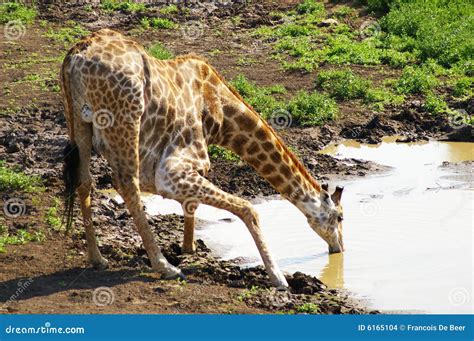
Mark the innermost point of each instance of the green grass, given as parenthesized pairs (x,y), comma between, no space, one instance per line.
(124,6)
(13,11)
(248,293)
(308,308)
(434,104)
(168,10)
(438,29)
(52,216)
(69,34)
(12,179)
(159,51)
(309,109)
(158,23)
(343,84)
(217,152)
(260,98)
(305,109)
(463,87)
(19,238)
(416,80)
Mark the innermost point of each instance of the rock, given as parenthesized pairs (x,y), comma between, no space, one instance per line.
(13,148)
(328,22)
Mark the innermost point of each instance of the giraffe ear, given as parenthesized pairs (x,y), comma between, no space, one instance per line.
(336,196)
(325,187)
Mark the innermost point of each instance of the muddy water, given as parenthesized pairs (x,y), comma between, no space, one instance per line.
(408,233)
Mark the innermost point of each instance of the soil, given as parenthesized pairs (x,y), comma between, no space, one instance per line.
(33,135)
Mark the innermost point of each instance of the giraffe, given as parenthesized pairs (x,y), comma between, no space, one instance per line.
(152,120)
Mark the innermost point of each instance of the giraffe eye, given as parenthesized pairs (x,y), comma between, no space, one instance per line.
(340,218)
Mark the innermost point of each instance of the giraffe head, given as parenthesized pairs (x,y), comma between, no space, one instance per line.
(326,219)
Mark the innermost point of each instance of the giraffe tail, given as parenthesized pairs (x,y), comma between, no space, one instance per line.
(71,152)
(71,178)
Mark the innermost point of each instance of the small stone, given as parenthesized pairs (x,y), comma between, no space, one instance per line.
(328,22)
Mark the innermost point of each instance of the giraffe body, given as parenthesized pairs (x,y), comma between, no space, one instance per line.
(153,120)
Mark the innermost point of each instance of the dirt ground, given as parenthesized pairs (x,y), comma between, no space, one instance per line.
(33,135)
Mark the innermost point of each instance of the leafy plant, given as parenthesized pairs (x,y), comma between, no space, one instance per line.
(308,308)
(125,6)
(11,11)
(260,98)
(11,179)
(415,80)
(159,51)
(217,152)
(343,84)
(309,109)
(170,9)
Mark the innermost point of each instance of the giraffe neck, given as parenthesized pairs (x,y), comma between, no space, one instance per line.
(250,137)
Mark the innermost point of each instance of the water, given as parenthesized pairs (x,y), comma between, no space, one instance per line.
(408,233)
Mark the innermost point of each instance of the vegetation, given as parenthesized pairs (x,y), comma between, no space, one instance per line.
(309,109)
(217,152)
(21,236)
(170,9)
(343,84)
(11,11)
(11,179)
(415,80)
(52,217)
(160,51)
(308,308)
(124,6)
(71,33)
(159,23)
(260,98)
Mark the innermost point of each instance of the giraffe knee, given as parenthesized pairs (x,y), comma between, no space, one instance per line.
(84,188)
(249,215)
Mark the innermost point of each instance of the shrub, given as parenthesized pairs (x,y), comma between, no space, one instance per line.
(260,98)
(439,29)
(162,23)
(159,51)
(343,84)
(312,7)
(125,6)
(14,11)
(434,104)
(463,87)
(11,179)
(216,152)
(171,9)
(309,109)
(415,80)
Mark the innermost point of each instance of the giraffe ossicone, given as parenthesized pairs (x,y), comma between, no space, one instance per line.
(160,117)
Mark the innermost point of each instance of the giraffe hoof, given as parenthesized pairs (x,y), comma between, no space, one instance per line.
(173,273)
(99,264)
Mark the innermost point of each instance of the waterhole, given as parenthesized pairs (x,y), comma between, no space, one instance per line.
(408,232)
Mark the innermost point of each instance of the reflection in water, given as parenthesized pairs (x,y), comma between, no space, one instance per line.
(333,273)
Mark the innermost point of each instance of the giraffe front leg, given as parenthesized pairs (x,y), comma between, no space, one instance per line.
(189,219)
(192,187)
